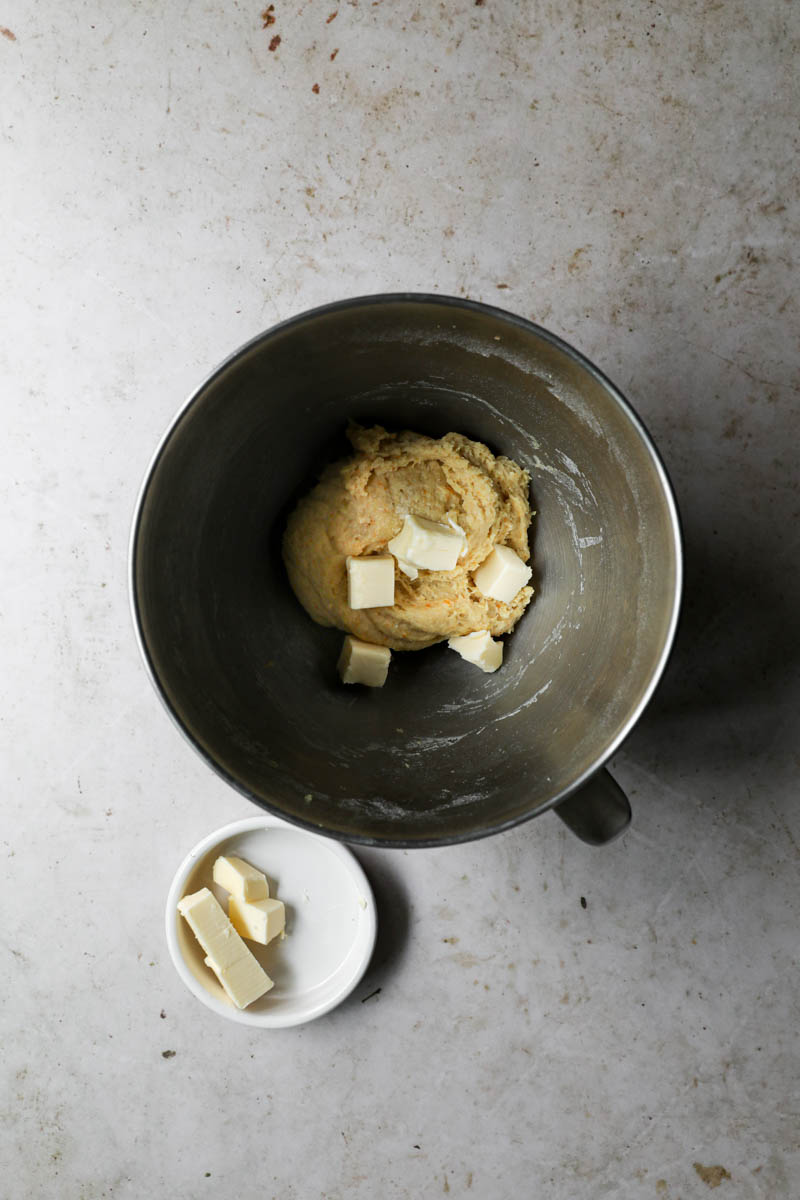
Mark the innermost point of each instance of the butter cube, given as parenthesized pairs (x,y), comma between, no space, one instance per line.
(479,648)
(239,878)
(242,977)
(361,662)
(370,581)
(428,545)
(258,920)
(502,575)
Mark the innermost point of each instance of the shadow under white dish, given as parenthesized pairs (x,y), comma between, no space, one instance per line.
(330,921)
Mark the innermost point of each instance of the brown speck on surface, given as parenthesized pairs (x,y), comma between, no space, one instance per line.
(583,902)
(168,1053)
(334,53)
(464,958)
(268,16)
(479,3)
(162,1014)
(565,998)
(315,89)
(7,33)
(661,1185)
(332,17)
(446,1187)
(574,263)
(469,1180)
(451,941)
(501,287)
(275,42)
(711,1176)
(310,191)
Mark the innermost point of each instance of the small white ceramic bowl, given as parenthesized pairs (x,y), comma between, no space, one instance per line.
(330,921)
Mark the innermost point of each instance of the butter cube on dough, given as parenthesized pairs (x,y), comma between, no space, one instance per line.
(428,545)
(361,662)
(258,920)
(240,879)
(479,648)
(370,581)
(242,977)
(502,575)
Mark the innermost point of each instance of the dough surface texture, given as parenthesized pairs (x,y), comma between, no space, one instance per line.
(359,505)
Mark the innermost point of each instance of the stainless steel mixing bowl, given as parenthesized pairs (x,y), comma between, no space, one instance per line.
(443,752)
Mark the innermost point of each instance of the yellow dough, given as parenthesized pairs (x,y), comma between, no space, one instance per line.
(358,506)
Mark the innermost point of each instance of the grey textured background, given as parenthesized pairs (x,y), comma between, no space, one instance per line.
(623,173)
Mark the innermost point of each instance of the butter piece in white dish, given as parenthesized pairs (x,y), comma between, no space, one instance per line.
(242,977)
(258,920)
(243,981)
(239,878)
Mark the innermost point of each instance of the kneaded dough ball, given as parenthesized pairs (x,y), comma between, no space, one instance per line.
(358,506)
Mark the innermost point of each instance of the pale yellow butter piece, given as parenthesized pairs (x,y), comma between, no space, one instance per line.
(370,581)
(361,662)
(209,924)
(243,982)
(502,575)
(428,545)
(479,648)
(238,971)
(258,920)
(239,878)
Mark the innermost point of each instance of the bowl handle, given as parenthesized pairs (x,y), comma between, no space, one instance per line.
(599,812)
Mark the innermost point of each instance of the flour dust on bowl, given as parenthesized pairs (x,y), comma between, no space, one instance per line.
(331,921)
(443,752)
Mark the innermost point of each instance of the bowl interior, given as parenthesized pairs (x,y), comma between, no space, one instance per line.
(442,751)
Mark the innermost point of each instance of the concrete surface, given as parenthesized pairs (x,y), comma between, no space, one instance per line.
(624,173)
